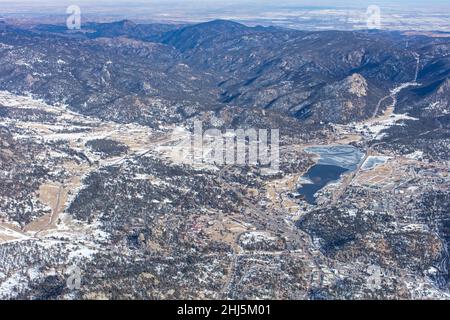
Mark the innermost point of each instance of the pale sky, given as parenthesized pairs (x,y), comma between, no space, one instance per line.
(407,4)
(407,14)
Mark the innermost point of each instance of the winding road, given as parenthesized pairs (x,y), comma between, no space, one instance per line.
(294,236)
(392,95)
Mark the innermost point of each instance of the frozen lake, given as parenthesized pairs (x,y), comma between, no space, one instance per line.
(333,162)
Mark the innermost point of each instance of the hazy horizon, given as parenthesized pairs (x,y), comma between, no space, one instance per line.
(322,14)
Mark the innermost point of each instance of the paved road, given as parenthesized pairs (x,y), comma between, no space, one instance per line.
(392,95)
(295,237)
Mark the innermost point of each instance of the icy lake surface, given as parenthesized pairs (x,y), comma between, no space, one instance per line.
(333,162)
(374,161)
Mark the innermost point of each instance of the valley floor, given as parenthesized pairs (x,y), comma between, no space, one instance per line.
(145,219)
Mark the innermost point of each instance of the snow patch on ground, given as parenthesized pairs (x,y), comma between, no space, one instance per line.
(11,284)
(373,162)
(374,129)
(416,155)
(256,236)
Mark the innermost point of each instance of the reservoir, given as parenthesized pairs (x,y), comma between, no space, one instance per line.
(333,162)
